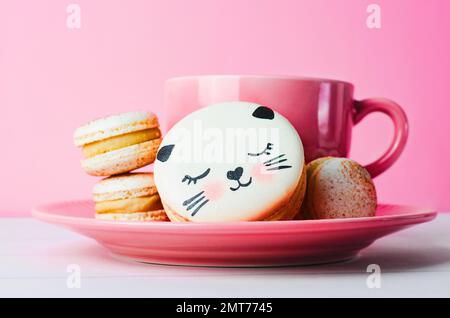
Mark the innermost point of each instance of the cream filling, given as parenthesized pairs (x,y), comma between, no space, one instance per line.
(141,204)
(113,143)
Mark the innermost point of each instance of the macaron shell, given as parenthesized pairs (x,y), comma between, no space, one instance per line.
(340,188)
(151,216)
(122,160)
(314,165)
(114,125)
(130,185)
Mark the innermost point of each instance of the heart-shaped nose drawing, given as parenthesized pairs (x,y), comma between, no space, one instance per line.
(236,174)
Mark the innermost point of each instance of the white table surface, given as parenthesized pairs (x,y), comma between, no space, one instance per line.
(34,258)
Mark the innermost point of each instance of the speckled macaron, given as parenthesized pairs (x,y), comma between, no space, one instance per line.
(338,188)
(128,197)
(118,143)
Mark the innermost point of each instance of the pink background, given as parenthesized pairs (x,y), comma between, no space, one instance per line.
(53,79)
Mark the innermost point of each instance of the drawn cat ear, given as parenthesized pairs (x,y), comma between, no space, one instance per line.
(164,153)
(263,112)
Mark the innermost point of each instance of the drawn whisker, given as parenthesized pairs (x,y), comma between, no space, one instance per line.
(192,199)
(195,203)
(275,162)
(270,160)
(279,168)
(199,207)
(266,151)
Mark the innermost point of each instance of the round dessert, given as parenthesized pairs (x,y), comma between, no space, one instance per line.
(128,197)
(338,188)
(233,161)
(118,143)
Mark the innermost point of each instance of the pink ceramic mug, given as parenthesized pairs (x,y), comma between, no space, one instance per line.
(323,111)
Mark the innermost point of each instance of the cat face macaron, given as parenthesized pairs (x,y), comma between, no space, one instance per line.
(233,161)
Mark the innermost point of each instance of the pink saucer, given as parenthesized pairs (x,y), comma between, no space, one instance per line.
(262,243)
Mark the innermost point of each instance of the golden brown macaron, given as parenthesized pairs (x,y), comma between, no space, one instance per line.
(338,188)
(118,143)
(128,197)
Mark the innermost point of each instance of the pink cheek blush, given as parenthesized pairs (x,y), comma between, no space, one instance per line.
(214,190)
(260,174)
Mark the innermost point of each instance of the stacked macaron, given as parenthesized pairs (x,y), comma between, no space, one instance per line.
(112,147)
(130,197)
(118,143)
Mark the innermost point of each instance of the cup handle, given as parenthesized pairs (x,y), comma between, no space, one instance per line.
(398,116)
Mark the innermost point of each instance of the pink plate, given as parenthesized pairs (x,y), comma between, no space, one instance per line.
(265,243)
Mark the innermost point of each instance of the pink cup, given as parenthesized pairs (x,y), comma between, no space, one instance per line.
(322,110)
